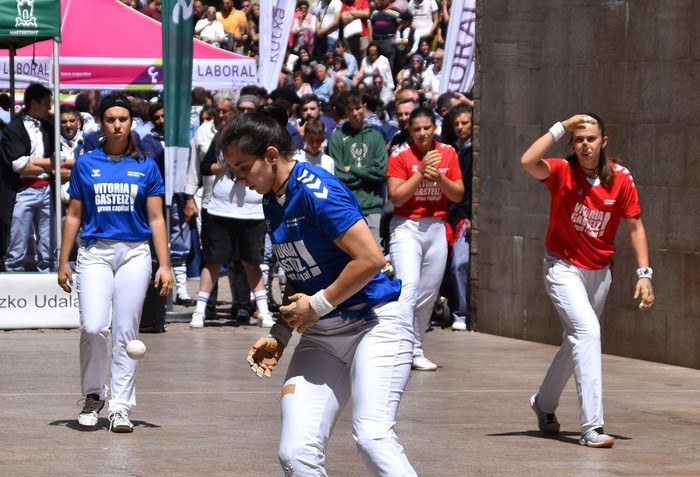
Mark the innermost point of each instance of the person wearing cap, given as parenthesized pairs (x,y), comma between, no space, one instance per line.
(27,198)
(116,196)
(247,103)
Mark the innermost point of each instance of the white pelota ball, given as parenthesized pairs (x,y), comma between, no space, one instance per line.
(135,349)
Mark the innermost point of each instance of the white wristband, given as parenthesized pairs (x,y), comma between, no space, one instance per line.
(320,305)
(557,131)
(646,272)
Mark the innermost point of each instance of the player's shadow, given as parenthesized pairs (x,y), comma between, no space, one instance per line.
(567,437)
(102,424)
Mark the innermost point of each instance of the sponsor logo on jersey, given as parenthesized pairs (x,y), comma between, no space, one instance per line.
(589,221)
(296,261)
(135,174)
(115,196)
(95,173)
(294,222)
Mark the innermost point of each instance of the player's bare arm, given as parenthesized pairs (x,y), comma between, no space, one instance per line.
(160,243)
(643,288)
(71,226)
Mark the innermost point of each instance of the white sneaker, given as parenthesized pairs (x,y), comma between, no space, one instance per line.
(197,320)
(421,363)
(459,326)
(266,321)
(91,410)
(119,422)
(597,438)
(183,298)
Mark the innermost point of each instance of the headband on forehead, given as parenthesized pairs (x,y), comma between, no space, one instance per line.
(114,100)
(248,98)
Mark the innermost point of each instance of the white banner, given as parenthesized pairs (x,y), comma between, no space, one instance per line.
(275,24)
(34,300)
(27,70)
(460,48)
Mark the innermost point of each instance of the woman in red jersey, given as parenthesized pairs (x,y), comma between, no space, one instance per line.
(422,176)
(590,195)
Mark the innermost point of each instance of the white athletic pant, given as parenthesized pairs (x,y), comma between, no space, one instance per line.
(579,297)
(111,277)
(337,359)
(419,255)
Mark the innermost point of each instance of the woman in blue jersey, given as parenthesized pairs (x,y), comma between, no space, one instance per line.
(354,340)
(116,194)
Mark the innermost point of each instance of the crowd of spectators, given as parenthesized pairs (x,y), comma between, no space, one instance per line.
(355,71)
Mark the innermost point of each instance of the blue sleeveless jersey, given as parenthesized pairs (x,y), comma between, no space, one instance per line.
(114,196)
(318,208)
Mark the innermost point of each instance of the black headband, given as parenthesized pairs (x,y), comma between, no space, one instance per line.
(113,100)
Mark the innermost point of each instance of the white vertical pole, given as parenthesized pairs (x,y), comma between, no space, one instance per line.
(57,149)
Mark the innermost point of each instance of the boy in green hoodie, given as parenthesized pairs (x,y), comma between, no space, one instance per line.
(360,159)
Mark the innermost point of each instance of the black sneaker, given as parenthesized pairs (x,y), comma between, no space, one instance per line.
(547,422)
(91,410)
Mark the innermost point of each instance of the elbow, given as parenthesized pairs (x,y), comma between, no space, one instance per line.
(524,160)
(377,262)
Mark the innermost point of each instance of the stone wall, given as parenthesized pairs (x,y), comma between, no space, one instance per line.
(637,64)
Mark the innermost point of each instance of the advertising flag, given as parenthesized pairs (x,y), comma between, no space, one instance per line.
(177,87)
(275,18)
(460,48)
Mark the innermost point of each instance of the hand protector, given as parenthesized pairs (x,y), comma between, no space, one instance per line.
(264,356)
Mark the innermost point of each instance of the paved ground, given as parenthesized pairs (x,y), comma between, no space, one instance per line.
(202,412)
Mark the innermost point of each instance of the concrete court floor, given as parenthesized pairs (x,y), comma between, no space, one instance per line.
(201,412)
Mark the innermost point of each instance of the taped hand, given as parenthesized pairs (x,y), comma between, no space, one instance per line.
(646,291)
(298,314)
(264,356)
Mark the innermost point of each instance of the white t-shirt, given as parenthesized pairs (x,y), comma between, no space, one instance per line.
(422,12)
(326,12)
(234,200)
(210,32)
(322,160)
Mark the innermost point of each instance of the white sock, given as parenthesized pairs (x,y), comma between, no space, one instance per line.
(202,300)
(261,302)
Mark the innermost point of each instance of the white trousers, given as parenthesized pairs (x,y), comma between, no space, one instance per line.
(112,278)
(419,255)
(337,359)
(579,297)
